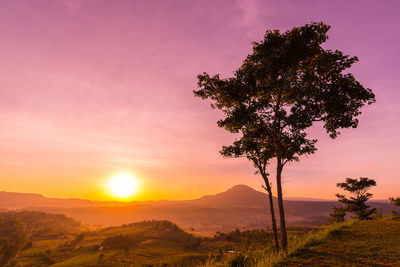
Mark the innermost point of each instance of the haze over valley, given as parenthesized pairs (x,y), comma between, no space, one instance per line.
(239,207)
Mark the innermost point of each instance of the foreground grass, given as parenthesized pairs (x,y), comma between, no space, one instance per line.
(366,243)
(352,243)
(267,257)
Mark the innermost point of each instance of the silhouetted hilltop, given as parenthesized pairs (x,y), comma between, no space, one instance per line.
(237,195)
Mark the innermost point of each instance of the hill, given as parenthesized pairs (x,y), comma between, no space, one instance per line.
(238,195)
(43,239)
(41,225)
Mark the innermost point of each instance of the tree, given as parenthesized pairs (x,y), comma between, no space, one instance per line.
(288,83)
(12,237)
(378,214)
(395,201)
(254,145)
(357,203)
(338,214)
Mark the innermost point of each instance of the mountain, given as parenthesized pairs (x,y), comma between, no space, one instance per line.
(238,195)
(12,200)
(239,207)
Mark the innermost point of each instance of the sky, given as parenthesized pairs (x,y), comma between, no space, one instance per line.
(89,89)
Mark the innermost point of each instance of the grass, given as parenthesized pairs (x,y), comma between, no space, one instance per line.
(352,243)
(365,243)
(267,257)
(85,259)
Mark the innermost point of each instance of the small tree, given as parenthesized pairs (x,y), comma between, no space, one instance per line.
(394,214)
(338,214)
(357,203)
(378,214)
(395,201)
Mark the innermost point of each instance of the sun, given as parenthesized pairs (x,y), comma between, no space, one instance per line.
(123,185)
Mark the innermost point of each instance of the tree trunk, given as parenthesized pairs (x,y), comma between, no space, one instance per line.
(280,204)
(273,219)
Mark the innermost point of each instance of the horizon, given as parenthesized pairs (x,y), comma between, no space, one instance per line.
(291,198)
(88,93)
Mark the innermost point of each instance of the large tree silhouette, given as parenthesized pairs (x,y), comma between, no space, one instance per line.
(285,85)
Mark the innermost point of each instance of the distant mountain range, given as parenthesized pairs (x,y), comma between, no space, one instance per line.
(239,207)
(14,200)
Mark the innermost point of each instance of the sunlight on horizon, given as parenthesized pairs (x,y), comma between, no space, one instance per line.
(123,185)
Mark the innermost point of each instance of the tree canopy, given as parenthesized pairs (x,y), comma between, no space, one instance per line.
(395,201)
(286,84)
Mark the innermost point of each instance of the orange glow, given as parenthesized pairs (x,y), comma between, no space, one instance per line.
(78,106)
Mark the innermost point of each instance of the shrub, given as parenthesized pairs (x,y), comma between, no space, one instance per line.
(338,214)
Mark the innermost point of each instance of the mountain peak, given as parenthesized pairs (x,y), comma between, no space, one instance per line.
(241,188)
(236,195)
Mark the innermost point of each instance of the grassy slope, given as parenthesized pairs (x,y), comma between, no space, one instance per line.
(367,243)
(352,243)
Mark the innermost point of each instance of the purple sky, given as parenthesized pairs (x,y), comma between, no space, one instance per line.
(91,88)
